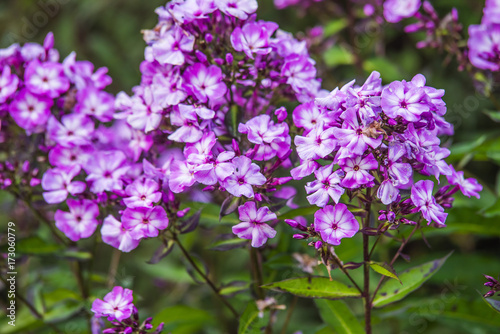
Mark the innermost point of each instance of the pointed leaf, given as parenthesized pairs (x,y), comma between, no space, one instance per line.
(191,223)
(412,279)
(384,269)
(337,315)
(161,252)
(248,317)
(229,205)
(225,245)
(314,287)
(493,303)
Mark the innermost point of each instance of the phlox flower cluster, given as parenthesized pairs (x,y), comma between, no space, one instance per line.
(484,39)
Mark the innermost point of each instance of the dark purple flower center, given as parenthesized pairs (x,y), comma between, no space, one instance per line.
(107,174)
(145,221)
(143,197)
(356,168)
(335,226)
(404,105)
(78,219)
(241,180)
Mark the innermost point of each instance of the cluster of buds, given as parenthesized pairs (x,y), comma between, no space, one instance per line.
(494,286)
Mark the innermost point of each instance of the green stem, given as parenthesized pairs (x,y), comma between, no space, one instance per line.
(205,277)
(257,272)
(337,261)
(366,269)
(289,315)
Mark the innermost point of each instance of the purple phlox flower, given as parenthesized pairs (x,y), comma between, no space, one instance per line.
(57,183)
(237,8)
(421,196)
(357,171)
(116,305)
(168,90)
(214,170)
(252,226)
(145,222)
(164,162)
(484,46)
(30,111)
(300,72)
(186,118)
(419,141)
(353,136)
(491,12)
(306,168)
(469,187)
(404,99)
(200,150)
(142,111)
(81,220)
(93,102)
(285,44)
(116,235)
(205,83)
(106,170)
(317,144)
(435,101)
(396,10)
(191,10)
(74,130)
(287,193)
(308,115)
(246,174)
(81,73)
(253,38)
(142,193)
(8,84)
(326,186)
(46,79)
(387,191)
(181,176)
(334,223)
(399,171)
(434,162)
(273,139)
(172,46)
(61,156)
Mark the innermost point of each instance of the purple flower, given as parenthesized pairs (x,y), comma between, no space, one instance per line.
(105,170)
(8,84)
(215,170)
(334,223)
(469,187)
(145,222)
(354,137)
(181,176)
(46,79)
(253,38)
(93,102)
(168,90)
(57,184)
(142,193)
(61,156)
(491,12)
(308,116)
(246,174)
(273,139)
(317,144)
(189,131)
(205,83)
(421,196)
(81,220)
(300,73)
(252,225)
(405,100)
(357,171)
(30,111)
(484,46)
(74,130)
(142,111)
(400,171)
(387,192)
(172,45)
(81,73)
(396,10)
(237,8)
(116,305)
(115,234)
(325,186)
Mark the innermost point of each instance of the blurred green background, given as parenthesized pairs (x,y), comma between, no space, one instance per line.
(107,32)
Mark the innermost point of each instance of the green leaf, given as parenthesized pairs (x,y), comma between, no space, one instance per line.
(338,55)
(412,279)
(36,246)
(314,287)
(384,269)
(335,26)
(225,245)
(493,303)
(181,319)
(493,210)
(338,316)
(388,70)
(247,318)
(494,115)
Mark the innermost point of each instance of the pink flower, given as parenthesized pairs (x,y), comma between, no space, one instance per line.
(115,234)
(237,8)
(181,176)
(252,225)
(117,305)
(205,83)
(317,144)
(357,171)
(246,174)
(106,170)
(142,193)
(98,104)
(469,187)
(325,186)
(30,111)
(81,220)
(189,130)
(334,223)
(8,84)
(253,38)
(215,170)
(57,184)
(172,46)
(46,79)
(421,196)
(396,10)
(74,130)
(145,222)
